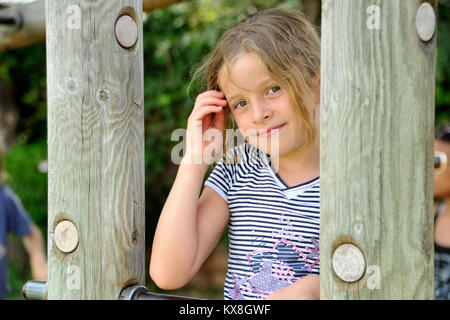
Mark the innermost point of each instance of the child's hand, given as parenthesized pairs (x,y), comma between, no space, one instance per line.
(200,127)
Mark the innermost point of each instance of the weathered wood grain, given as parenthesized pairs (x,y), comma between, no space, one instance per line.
(95,148)
(377,121)
(32,30)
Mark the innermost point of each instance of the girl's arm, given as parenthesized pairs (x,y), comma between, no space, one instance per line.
(307,288)
(188,230)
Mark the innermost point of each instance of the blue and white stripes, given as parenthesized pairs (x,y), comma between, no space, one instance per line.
(273,228)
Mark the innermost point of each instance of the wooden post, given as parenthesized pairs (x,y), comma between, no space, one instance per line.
(96,200)
(32,28)
(377,120)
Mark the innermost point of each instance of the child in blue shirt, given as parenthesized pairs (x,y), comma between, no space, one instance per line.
(264,77)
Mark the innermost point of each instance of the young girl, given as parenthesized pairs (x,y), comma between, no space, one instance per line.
(265,73)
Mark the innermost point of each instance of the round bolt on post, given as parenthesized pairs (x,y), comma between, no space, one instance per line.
(349,263)
(425,22)
(126,31)
(66,236)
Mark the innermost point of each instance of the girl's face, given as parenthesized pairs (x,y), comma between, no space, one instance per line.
(442,180)
(261,108)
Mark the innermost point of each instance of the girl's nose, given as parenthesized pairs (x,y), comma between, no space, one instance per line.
(261,111)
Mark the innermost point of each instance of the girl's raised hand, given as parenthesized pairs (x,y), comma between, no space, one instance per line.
(201,128)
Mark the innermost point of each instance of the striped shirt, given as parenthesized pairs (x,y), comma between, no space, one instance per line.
(441,265)
(273,228)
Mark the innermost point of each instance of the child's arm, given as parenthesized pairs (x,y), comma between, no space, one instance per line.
(34,245)
(307,288)
(189,228)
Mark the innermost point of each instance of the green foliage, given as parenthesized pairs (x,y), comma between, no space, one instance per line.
(25,69)
(16,280)
(30,184)
(443,62)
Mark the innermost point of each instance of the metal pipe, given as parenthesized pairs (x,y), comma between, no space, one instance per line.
(158,296)
(11,17)
(29,27)
(7,20)
(35,290)
(138,292)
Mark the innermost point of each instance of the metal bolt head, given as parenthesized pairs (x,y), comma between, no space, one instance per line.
(66,236)
(349,263)
(425,22)
(35,290)
(126,31)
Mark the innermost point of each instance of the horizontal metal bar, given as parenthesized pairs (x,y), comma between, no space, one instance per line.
(138,292)
(35,290)
(158,296)
(8,20)
(11,17)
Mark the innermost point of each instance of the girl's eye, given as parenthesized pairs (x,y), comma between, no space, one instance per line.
(274,89)
(271,90)
(240,104)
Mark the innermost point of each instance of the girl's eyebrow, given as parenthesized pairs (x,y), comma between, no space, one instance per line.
(262,83)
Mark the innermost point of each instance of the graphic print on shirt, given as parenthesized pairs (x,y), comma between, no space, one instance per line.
(274,268)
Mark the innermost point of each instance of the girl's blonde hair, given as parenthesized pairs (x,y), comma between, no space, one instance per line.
(3,174)
(287,44)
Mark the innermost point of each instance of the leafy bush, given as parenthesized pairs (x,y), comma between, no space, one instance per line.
(22,164)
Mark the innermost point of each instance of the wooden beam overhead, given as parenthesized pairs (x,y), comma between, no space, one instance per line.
(29,26)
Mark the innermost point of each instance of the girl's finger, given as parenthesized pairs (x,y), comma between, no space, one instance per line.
(211,93)
(207,101)
(201,112)
(219,119)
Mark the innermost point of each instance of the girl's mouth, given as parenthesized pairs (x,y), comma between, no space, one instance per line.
(268,132)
